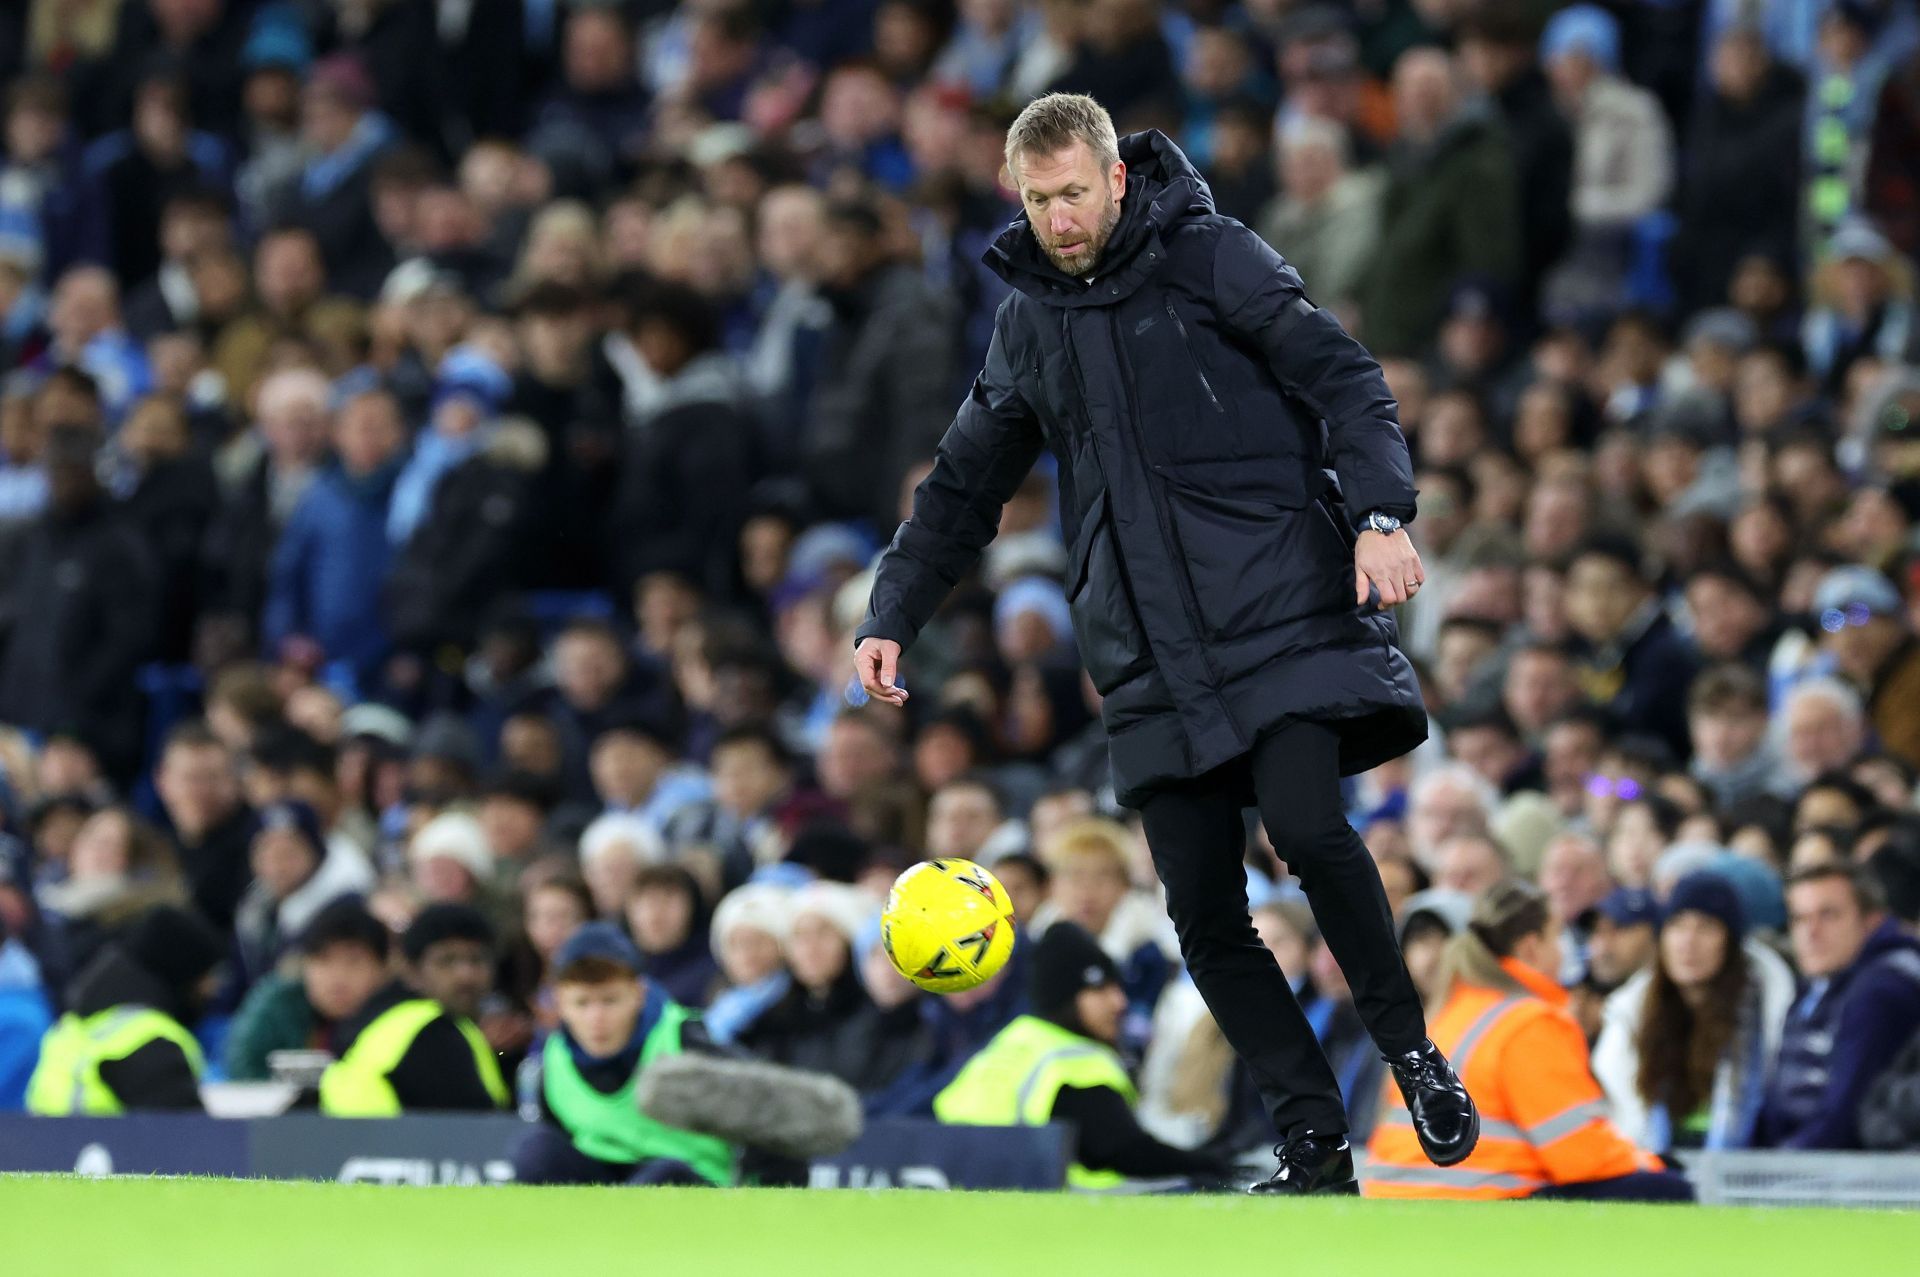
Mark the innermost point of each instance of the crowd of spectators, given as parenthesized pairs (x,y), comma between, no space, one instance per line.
(443,444)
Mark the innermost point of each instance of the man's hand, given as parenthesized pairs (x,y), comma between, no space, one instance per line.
(878,660)
(1391,564)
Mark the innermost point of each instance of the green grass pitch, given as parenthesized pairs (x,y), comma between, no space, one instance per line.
(62,1226)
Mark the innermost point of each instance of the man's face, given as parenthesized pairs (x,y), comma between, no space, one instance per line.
(1539,686)
(817,951)
(282,860)
(1828,926)
(1615,952)
(746,778)
(600,1016)
(1087,889)
(1725,617)
(1573,874)
(340,978)
(287,271)
(197,786)
(1442,813)
(457,974)
(1488,750)
(512,824)
(1859,650)
(660,918)
(1728,736)
(855,755)
(588,667)
(1572,751)
(1601,595)
(1468,864)
(625,767)
(368,433)
(959,820)
(1820,736)
(1099,1011)
(1071,204)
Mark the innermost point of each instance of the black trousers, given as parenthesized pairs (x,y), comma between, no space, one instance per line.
(1198,842)
(545,1155)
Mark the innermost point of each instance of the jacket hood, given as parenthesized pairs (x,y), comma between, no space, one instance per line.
(1889,937)
(114,979)
(1163,189)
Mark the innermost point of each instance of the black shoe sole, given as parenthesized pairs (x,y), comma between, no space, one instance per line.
(1349,1189)
(1466,1148)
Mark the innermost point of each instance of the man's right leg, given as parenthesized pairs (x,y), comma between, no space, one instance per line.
(1199,844)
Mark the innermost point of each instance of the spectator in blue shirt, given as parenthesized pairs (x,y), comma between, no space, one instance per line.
(1860,1004)
(324,583)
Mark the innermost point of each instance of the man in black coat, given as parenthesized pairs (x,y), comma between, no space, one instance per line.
(79,616)
(883,385)
(689,459)
(1233,481)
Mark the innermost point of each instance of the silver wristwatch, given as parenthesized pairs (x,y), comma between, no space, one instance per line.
(1384,524)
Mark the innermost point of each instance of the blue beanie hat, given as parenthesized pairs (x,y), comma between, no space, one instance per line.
(598,940)
(1709,893)
(468,372)
(1035,594)
(1585,28)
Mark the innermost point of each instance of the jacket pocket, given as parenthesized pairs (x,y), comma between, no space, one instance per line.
(1112,646)
(1193,360)
(1259,564)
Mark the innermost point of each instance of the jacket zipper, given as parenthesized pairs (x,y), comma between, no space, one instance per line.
(1169,535)
(1193,358)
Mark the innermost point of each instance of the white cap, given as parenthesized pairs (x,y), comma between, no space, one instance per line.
(759,905)
(622,829)
(847,908)
(458,837)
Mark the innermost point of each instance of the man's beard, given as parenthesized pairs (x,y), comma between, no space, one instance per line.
(1082,264)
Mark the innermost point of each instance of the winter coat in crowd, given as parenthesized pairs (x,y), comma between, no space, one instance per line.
(1742,185)
(840,1032)
(172,504)
(329,564)
(136,188)
(1195,403)
(1890,1115)
(881,395)
(76,622)
(274,1016)
(218,868)
(266,927)
(688,973)
(1739,1080)
(1331,241)
(1450,212)
(1543,174)
(1642,678)
(1842,1034)
(64,213)
(684,481)
(476,544)
(333,198)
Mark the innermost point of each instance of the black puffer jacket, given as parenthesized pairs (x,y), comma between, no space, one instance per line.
(1206,418)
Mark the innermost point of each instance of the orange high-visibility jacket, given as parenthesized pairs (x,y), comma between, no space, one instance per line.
(1543,1119)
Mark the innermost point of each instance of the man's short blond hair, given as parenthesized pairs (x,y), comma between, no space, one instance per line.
(1053,122)
(1092,838)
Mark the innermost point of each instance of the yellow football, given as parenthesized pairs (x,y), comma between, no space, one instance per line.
(948,925)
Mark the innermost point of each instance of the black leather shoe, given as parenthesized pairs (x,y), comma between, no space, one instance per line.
(1311,1164)
(1444,1118)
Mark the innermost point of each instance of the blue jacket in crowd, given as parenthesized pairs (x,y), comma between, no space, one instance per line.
(328,567)
(1840,1035)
